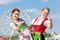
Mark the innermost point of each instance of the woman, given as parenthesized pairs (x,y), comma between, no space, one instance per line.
(40,24)
(19,25)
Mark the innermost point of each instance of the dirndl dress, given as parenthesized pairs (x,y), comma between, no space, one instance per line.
(24,32)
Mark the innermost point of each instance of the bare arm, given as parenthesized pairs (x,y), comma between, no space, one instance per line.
(31,26)
(50,25)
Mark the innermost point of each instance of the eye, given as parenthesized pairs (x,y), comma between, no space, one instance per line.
(46,12)
(16,14)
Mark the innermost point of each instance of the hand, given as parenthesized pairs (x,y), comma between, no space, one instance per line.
(50,18)
(30,29)
(19,24)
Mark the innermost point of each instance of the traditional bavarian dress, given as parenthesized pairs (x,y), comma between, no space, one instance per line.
(39,29)
(24,32)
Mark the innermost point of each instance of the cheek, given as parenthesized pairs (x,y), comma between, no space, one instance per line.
(14,16)
(46,15)
(17,15)
(43,14)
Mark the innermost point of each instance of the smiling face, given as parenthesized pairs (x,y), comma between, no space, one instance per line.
(45,13)
(15,15)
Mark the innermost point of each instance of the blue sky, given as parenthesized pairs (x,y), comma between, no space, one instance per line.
(37,5)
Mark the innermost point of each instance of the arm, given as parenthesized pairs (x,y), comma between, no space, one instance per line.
(32,23)
(31,26)
(50,25)
(16,28)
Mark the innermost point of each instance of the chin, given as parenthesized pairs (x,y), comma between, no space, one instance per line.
(44,16)
(15,18)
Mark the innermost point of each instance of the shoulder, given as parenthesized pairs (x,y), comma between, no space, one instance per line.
(47,21)
(12,24)
(33,20)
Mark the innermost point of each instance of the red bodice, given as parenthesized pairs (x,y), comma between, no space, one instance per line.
(40,28)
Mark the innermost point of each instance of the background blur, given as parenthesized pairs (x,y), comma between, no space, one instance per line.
(29,10)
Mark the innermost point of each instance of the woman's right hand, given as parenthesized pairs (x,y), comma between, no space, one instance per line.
(19,24)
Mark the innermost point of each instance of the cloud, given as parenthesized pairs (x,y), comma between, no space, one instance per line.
(45,0)
(32,10)
(8,1)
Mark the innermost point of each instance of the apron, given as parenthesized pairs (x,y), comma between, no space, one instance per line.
(24,32)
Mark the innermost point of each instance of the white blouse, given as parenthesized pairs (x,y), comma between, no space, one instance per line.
(16,23)
(39,22)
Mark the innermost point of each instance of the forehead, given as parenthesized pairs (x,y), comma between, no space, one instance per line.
(45,10)
(16,12)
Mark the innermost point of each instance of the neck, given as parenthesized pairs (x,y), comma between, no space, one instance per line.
(42,17)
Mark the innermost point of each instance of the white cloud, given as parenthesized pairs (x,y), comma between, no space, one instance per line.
(31,10)
(45,0)
(8,1)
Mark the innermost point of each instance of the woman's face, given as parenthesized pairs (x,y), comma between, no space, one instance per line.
(44,13)
(15,15)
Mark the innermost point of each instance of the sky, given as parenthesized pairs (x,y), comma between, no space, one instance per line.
(35,6)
